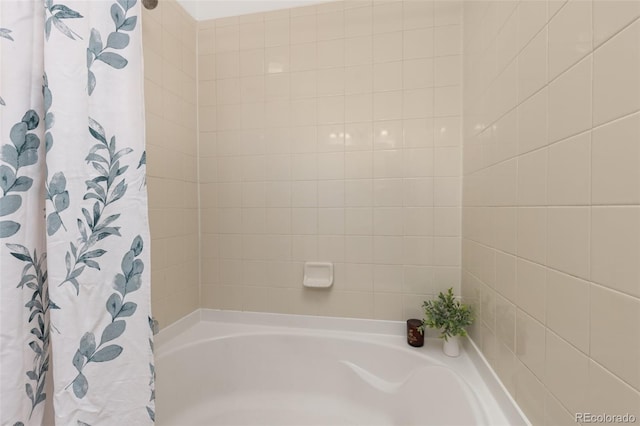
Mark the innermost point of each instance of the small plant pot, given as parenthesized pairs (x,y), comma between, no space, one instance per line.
(451,347)
(414,337)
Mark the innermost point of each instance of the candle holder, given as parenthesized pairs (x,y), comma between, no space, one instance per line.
(414,337)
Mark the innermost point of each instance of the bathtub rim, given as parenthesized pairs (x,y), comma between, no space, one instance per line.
(512,412)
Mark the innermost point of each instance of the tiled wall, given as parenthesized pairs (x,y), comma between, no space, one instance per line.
(331,133)
(551,216)
(169,38)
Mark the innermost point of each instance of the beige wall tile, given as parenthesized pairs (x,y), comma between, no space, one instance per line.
(532,234)
(615,175)
(330,81)
(504,229)
(608,394)
(227,38)
(568,240)
(251,35)
(616,76)
(531,288)
(276,32)
(532,122)
(555,413)
(358,21)
(150,31)
(532,66)
(615,247)
(303,84)
(610,16)
(530,344)
(448,70)
(569,320)
(418,43)
(570,34)
(570,102)
(620,356)
(418,73)
(532,16)
(505,322)
(252,62)
(566,373)
(447,40)
(388,46)
(504,183)
(532,191)
(387,17)
(569,171)
(330,53)
(277,59)
(418,15)
(506,363)
(227,64)
(304,57)
(207,67)
(447,101)
(387,76)
(330,25)
(303,28)
(506,276)
(358,79)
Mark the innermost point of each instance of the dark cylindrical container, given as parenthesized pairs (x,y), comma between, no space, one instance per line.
(414,337)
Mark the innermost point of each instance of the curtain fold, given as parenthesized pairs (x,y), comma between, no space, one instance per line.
(74,238)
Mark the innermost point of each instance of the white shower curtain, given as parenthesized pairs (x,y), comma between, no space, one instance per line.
(74,240)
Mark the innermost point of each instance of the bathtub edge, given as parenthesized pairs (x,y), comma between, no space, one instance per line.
(514,413)
(359,325)
(176,328)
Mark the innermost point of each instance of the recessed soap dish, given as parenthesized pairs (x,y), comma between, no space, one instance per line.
(318,274)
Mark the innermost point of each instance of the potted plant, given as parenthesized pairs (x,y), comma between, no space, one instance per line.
(447,314)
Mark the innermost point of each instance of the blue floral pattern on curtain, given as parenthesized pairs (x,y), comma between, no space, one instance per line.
(74,238)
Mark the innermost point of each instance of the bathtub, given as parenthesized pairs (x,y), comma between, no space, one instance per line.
(238,368)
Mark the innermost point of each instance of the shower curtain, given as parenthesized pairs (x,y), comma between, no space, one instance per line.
(74,240)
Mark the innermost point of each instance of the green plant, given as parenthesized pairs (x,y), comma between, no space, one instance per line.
(447,314)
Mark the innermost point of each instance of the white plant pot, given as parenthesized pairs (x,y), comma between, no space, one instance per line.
(451,347)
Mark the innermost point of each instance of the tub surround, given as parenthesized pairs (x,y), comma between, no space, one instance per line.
(551,186)
(331,132)
(551,216)
(169,42)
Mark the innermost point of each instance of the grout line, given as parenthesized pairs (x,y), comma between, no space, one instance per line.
(630,387)
(610,37)
(516,256)
(597,127)
(549,82)
(589,233)
(198,177)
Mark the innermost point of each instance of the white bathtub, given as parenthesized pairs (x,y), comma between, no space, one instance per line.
(238,368)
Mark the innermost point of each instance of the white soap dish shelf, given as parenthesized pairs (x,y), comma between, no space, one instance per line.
(318,274)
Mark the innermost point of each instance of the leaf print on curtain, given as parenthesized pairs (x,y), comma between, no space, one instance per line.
(34,277)
(125,283)
(117,40)
(57,14)
(152,382)
(56,191)
(22,152)
(107,187)
(24,301)
(73,213)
